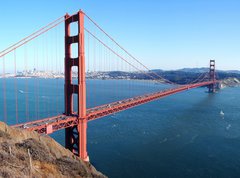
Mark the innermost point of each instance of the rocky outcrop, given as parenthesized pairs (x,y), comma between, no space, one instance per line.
(230,82)
(28,154)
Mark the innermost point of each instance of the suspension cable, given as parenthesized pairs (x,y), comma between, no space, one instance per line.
(34,33)
(111,38)
(198,78)
(118,55)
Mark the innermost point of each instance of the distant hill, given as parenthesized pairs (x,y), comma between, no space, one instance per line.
(180,76)
(197,70)
(157,70)
(194,70)
(186,75)
(232,71)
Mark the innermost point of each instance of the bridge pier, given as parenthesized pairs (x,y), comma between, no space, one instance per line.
(76,136)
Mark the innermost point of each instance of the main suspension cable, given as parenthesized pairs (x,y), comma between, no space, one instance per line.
(34,33)
(111,38)
(118,55)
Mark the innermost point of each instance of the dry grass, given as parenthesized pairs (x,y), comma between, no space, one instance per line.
(27,154)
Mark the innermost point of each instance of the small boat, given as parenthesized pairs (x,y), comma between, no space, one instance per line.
(221,113)
(21,91)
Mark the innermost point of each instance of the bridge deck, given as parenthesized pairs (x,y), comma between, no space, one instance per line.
(52,124)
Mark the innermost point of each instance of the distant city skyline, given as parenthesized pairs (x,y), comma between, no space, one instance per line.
(161,34)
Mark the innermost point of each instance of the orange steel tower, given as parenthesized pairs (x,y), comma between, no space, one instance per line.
(212,75)
(76,136)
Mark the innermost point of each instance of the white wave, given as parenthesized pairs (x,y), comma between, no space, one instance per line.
(164,140)
(228,126)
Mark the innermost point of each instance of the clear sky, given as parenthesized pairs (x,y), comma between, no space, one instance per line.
(166,34)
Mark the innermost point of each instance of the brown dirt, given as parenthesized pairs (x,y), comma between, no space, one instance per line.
(47,157)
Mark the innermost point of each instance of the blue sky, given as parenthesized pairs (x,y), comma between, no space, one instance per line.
(166,34)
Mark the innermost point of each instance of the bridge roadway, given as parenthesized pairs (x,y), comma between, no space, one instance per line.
(52,124)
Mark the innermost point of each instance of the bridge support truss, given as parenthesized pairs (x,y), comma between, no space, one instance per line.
(76,136)
(212,77)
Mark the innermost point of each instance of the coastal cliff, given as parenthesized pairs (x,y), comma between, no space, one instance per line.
(28,154)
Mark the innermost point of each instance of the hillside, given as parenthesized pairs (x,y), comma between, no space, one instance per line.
(28,154)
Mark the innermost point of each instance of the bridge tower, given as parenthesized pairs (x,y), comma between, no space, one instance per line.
(75,136)
(212,76)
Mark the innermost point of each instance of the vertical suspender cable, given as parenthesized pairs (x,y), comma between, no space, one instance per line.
(47,70)
(4,91)
(57,88)
(26,85)
(35,81)
(15,86)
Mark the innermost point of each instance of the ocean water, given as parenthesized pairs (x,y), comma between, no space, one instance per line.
(183,135)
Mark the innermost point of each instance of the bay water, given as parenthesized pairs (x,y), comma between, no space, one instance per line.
(183,135)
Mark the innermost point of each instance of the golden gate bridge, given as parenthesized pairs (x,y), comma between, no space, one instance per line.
(86,46)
